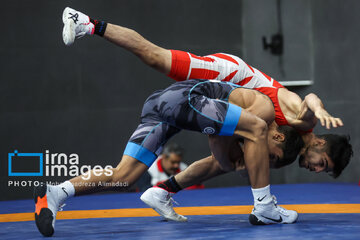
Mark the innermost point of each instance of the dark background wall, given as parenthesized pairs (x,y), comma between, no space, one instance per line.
(87,98)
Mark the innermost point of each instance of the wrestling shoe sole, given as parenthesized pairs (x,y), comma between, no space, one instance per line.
(254,220)
(44,219)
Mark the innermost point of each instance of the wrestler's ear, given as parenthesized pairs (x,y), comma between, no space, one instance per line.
(319,142)
(279,137)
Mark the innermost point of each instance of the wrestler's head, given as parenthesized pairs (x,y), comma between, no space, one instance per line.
(284,144)
(171,158)
(327,153)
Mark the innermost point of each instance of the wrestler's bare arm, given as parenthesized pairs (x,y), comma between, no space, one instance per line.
(314,104)
(304,114)
(227,149)
(256,153)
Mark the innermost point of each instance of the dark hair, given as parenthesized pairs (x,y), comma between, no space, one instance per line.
(339,150)
(291,146)
(173,148)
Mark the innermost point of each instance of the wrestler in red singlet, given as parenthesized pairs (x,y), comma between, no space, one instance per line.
(229,68)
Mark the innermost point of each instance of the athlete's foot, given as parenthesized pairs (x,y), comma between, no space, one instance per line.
(271,213)
(76,25)
(47,205)
(161,201)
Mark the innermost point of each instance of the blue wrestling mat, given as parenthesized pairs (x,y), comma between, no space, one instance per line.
(327,211)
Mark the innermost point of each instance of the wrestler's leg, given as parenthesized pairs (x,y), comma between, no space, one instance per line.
(159,197)
(256,158)
(151,54)
(124,175)
(78,24)
(141,151)
(49,198)
(177,64)
(209,167)
(199,172)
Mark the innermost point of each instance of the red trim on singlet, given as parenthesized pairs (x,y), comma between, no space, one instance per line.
(200,73)
(277,84)
(245,80)
(180,64)
(226,57)
(230,76)
(206,59)
(272,93)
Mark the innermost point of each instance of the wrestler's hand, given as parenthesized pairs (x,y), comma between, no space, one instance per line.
(327,120)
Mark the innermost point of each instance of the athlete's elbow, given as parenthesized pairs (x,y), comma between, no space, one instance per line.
(259,131)
(252,128)
(311,97)
(313,101)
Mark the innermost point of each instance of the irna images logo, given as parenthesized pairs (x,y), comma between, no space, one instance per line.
(52,164)
(25,164)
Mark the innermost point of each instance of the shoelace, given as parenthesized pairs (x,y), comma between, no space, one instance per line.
(281,209)
(274,199)
(60,208)
(171,201)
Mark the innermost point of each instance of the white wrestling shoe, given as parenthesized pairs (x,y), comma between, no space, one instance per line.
(76,25)
(47,205)
(161,201)
(271,213)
